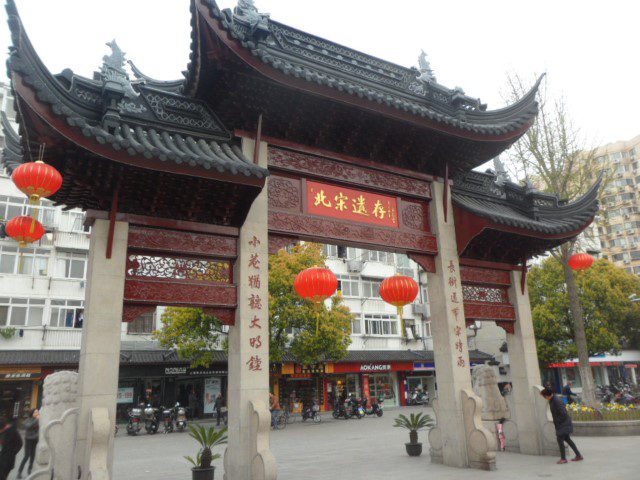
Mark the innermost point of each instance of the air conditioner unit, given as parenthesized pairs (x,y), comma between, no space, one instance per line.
(354,266)
(420,309)
(627,261)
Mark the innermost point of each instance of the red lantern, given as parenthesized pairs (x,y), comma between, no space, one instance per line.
(24,230)
(399,291)
(316,284)
(37,180)
(580,261)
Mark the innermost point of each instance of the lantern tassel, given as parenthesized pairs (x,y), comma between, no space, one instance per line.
(404,330)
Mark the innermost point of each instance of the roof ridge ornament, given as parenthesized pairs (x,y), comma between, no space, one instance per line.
(426,72)
(247,12)
(502,176)
(113,73)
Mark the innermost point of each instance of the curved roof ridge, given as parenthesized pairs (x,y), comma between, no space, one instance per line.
(12,153)
(316,60)
(172,86)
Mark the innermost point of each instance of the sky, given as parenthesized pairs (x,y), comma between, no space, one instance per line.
(588,49)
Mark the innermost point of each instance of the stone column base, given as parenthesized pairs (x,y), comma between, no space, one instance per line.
(481,443)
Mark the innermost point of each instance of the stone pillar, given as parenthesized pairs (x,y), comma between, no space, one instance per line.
(457,439)
(525,371)
(100,351)
(248,456)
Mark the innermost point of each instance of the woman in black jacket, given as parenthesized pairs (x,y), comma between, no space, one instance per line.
(563,424)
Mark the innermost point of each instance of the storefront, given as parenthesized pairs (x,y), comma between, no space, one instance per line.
(372,380)
(19,389)
(301,385)
(162,385)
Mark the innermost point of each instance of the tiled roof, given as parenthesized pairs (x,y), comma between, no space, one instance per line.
(308,57)
(522,207)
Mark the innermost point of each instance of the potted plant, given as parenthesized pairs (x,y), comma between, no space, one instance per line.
(414,423)
(207,438)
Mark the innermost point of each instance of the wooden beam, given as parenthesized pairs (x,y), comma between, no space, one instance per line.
(445,194)
(256,146)
(523,278)
(112,221)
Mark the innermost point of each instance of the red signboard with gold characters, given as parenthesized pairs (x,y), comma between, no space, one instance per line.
(348,204)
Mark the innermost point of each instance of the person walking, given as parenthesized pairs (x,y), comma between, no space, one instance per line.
(567,393)
(31,432)
(10,445)
(563,424)
(193,403)
(274,406)
(217,407)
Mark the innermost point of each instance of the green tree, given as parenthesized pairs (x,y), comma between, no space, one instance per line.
(191,332)
(292,320)
(552,155)
(611,320)
(287,310)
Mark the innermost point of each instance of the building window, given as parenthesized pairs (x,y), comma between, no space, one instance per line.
(330,251)
(349,285)
(67,313)
(71,265)
(381,324)
(31,261)
(356,325)
(376,256)
(11,207)
(371,288)
(21,312)
(144,324)
(427,329)
(72,222)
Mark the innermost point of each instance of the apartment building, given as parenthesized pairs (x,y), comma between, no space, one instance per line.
(619,225)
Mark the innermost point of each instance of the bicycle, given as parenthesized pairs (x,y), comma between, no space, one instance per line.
(280,422)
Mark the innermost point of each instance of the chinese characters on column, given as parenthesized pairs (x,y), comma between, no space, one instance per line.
(453,282)
(254,301)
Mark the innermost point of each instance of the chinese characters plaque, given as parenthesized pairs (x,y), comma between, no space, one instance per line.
(348,204)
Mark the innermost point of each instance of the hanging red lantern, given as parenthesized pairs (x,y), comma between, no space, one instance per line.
(24,230)
(580,261)
(399,291)
(316,284)
(37,180)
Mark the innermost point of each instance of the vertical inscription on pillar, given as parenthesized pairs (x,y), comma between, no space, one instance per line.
(453,284)
(254,302)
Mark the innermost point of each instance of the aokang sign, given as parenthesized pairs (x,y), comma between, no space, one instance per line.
(373,367)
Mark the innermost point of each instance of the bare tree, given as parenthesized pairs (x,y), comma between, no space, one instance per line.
(553,156)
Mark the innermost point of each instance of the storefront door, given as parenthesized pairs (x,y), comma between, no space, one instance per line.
(385,386)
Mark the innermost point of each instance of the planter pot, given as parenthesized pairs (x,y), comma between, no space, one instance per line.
(413,449)
(206,473)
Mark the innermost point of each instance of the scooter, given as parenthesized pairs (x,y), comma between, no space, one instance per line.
(167,419)
(354,409)
(376,408)
(418,398)
(151,422)
(340,409)
(180,414)
(312,413)
(134,425)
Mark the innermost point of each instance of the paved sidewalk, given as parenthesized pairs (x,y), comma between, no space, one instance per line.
(370,449)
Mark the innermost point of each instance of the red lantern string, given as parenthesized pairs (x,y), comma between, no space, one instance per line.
(316,284)
(399,291)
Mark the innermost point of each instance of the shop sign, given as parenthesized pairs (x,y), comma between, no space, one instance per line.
(424,366)
(353,205)
(372,367)
(125,395)
(19,376)
(175,370)
(208,372)
(631,365)
(315,368)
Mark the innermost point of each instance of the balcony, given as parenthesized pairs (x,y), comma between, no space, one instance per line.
(75,241)
(43,338)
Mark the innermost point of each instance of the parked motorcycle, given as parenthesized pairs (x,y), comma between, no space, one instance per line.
(180,417)
(134,424)
(167,419)
(312,413)
(354,408)
(418,398)
(376,408)
(151,422)
(340,410)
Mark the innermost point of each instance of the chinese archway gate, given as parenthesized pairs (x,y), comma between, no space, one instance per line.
(359,151)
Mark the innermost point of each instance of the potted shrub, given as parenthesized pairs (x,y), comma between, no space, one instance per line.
(207,438)
(414,423)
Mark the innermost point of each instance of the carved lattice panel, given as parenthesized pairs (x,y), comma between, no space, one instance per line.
(478,293)
(155,266)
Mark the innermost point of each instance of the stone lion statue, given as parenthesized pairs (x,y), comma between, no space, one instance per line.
(485,385)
